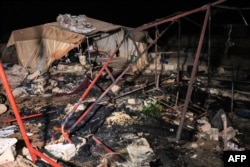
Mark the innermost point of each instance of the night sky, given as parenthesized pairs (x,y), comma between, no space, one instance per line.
(16,14)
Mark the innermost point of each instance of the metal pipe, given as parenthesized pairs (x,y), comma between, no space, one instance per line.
(232,91)
(110,74)
(224,120)
(178,63)
(16,111)
(243,18)
(153,24)
(157,75)
(106,148)
(66,134)
(209,52)
(28,116)
(33,153)
(192,79)
(137,89)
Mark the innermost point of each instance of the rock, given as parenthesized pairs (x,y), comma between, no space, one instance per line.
(33,75)
(25,151)
(214,134)
(82,60)
(115,89)
(60,150)
(17,92)
(21,161)
(8,156)
(3,108)
(205,127)
(131,101)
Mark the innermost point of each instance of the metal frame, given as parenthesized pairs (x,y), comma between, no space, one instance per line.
(66,133)
(34,153)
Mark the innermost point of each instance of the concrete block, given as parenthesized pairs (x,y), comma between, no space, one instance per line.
(6,143)
(60,150)
(205,127)
(170,67)
(17,92)
(8,155)
(82,60)
(115,89)
(131,101)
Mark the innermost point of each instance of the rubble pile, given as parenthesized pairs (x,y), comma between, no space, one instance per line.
(134,130)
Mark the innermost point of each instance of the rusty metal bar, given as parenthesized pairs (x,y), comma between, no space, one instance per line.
(157,74)
(178,63)
(136,47)
(84,95)
(66,133)
(204,7)
(28,117)
(192,79)
(137,89)
(33,152)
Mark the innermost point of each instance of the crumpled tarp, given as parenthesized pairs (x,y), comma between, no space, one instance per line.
(79,24)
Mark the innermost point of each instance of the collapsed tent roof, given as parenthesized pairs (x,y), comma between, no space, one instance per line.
(39,46)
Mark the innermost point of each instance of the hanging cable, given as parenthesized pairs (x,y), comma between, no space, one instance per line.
(228,43)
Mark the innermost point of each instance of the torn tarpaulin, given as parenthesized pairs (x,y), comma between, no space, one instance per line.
(78,24)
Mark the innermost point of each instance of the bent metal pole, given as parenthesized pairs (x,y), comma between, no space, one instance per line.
(193,74)
(33,152)
(65,132)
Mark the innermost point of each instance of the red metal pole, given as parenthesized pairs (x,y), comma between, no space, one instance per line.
(106,148)
(24,117)
(16,112)
(32,151)
(66,134)
(27,117)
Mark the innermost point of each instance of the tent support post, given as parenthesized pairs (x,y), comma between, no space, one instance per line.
(193,75)
(33,152)
(66,133)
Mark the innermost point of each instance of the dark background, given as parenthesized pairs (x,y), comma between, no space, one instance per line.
(17,14)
